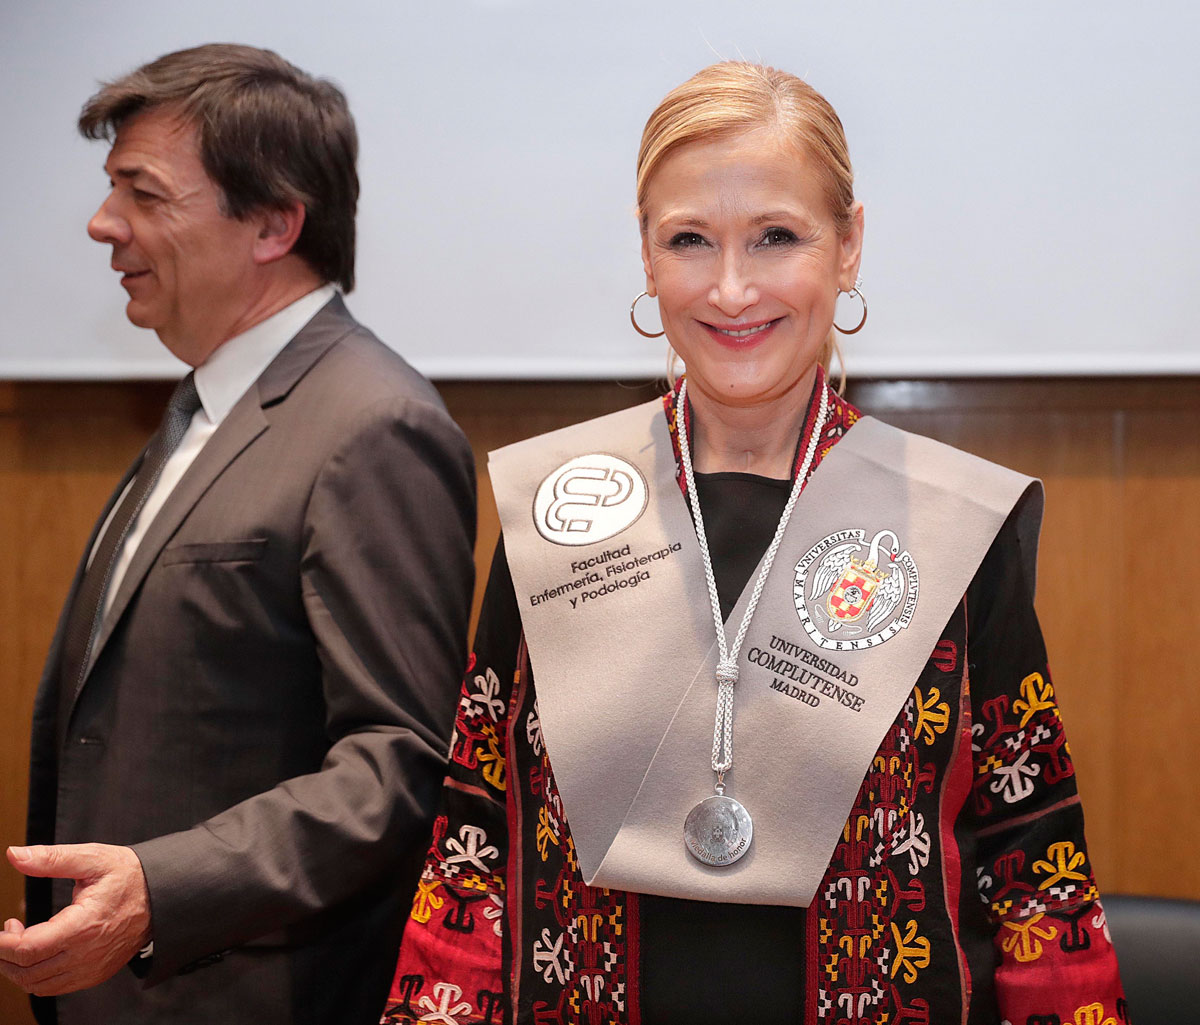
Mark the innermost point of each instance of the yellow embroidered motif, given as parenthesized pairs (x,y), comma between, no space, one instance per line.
(615,920)
(589,925)
(1062,861)
(933,715)
(912,951)
(492,760)
(1038,695)
(425,901)
(1024,943)
(1093,1014)
(989,764)
(546,834)
(847,944)
(831,967)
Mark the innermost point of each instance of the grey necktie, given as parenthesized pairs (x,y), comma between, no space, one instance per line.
(85,616)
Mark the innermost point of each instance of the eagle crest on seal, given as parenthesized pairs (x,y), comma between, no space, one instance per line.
(855,587)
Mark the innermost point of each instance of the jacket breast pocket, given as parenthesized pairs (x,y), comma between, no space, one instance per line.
(247,550)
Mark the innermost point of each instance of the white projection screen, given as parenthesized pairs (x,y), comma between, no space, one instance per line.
(1029,172)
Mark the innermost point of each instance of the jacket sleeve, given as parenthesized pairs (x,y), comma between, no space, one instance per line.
(386,574)
(1055,960)
(451,957)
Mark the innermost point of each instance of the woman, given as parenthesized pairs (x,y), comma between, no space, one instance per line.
(896,835)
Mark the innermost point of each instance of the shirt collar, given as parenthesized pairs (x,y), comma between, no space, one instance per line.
(224,377)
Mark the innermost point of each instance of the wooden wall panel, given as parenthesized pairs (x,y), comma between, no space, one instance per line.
(1121,462)
(1158,706)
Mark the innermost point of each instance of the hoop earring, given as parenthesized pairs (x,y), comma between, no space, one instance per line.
(859,326)
(633,319)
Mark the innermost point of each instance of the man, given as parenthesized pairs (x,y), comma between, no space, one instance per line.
(240,735)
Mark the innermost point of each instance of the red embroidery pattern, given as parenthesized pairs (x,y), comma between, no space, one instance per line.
(574,937)
(449,967)
(874,943)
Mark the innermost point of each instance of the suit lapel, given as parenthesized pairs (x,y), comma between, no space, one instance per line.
(52,667)
(45,707)
(245,422)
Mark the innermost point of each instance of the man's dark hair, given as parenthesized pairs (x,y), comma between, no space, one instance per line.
(269,135)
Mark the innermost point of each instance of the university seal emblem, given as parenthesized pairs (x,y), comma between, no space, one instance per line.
(853,593)
(588,499)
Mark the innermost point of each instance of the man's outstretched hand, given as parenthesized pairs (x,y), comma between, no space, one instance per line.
(90,940)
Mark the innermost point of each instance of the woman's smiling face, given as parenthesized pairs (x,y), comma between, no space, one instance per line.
(741,249)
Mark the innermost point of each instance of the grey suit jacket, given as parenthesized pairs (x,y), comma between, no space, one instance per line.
(267,713)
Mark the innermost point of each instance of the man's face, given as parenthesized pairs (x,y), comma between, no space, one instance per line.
(188,268)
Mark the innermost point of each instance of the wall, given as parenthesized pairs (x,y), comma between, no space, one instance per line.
(1027,169)
(1120,460)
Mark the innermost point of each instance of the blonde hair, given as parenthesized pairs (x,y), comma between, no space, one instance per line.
(732,97)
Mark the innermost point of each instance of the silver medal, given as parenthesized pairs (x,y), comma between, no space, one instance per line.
(718,831)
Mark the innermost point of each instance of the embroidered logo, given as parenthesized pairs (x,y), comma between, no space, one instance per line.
(852,593)
(588,499)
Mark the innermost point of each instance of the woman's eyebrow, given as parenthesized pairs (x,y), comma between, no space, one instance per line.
(683,219)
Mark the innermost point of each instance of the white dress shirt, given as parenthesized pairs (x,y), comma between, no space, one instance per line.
(220,381)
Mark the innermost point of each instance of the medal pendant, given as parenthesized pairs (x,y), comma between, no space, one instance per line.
(718,831)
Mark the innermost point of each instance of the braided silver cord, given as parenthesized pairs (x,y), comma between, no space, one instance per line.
(727,669)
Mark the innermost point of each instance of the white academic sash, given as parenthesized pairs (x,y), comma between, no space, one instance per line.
(882,544)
